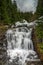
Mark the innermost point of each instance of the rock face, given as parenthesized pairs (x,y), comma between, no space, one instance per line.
(36,44)
(3,52)
(3,46)
(34,63)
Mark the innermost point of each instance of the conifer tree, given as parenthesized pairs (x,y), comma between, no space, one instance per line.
(4,15)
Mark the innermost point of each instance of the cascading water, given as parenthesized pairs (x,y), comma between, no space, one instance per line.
(20,46)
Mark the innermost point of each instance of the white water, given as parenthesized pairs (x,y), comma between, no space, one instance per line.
(20,46)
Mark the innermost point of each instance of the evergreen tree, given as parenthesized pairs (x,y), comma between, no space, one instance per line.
(4,15)
(40,8)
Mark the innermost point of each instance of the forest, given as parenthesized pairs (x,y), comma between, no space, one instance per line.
(9,13)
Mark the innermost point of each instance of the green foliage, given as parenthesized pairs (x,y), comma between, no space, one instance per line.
(40,47)
(39,28)
(4,14)
(9,13)
(40,8)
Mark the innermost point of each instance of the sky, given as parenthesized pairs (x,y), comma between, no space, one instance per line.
(27,5)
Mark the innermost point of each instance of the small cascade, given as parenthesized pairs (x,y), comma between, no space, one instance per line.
(20,46)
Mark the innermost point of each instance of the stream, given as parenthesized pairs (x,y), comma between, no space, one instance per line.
(20,47)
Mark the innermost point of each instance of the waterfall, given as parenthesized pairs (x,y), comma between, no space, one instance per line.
(20,46)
